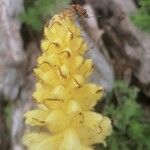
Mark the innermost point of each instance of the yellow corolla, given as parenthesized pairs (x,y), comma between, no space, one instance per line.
(65,97)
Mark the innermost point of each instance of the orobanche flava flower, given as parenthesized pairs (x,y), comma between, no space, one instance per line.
(64,96)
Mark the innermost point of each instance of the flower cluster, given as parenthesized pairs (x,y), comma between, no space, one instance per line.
(65,97)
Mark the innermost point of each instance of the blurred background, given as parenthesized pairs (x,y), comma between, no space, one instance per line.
(118,35)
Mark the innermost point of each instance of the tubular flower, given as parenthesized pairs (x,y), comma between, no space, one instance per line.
(65,97)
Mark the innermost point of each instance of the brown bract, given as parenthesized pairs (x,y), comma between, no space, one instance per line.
(76,10)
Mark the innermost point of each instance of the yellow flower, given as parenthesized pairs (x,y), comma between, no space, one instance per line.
(65,97)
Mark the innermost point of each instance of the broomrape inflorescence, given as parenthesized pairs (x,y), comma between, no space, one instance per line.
(64,96)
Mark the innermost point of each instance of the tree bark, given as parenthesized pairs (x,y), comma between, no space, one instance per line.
(12,70)
(127,46)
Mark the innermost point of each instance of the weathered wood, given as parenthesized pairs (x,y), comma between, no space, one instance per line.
(127,46)
(10,40)
(4,129)
(12,68)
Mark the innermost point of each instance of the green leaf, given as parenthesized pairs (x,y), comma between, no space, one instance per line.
(38,10)
(142,16)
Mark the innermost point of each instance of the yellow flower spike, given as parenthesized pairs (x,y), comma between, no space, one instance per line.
(71,140)
(57,121)
(86,68)
(50,78)
(77,62)
(33,139)
(87,148)
(44,45)
(38,85)
(50,143)
(73,107)
(77,80)
(64,70)
(36,117)
(41,94)
(42,141)
(53,60)
(65,98)
(58,92)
